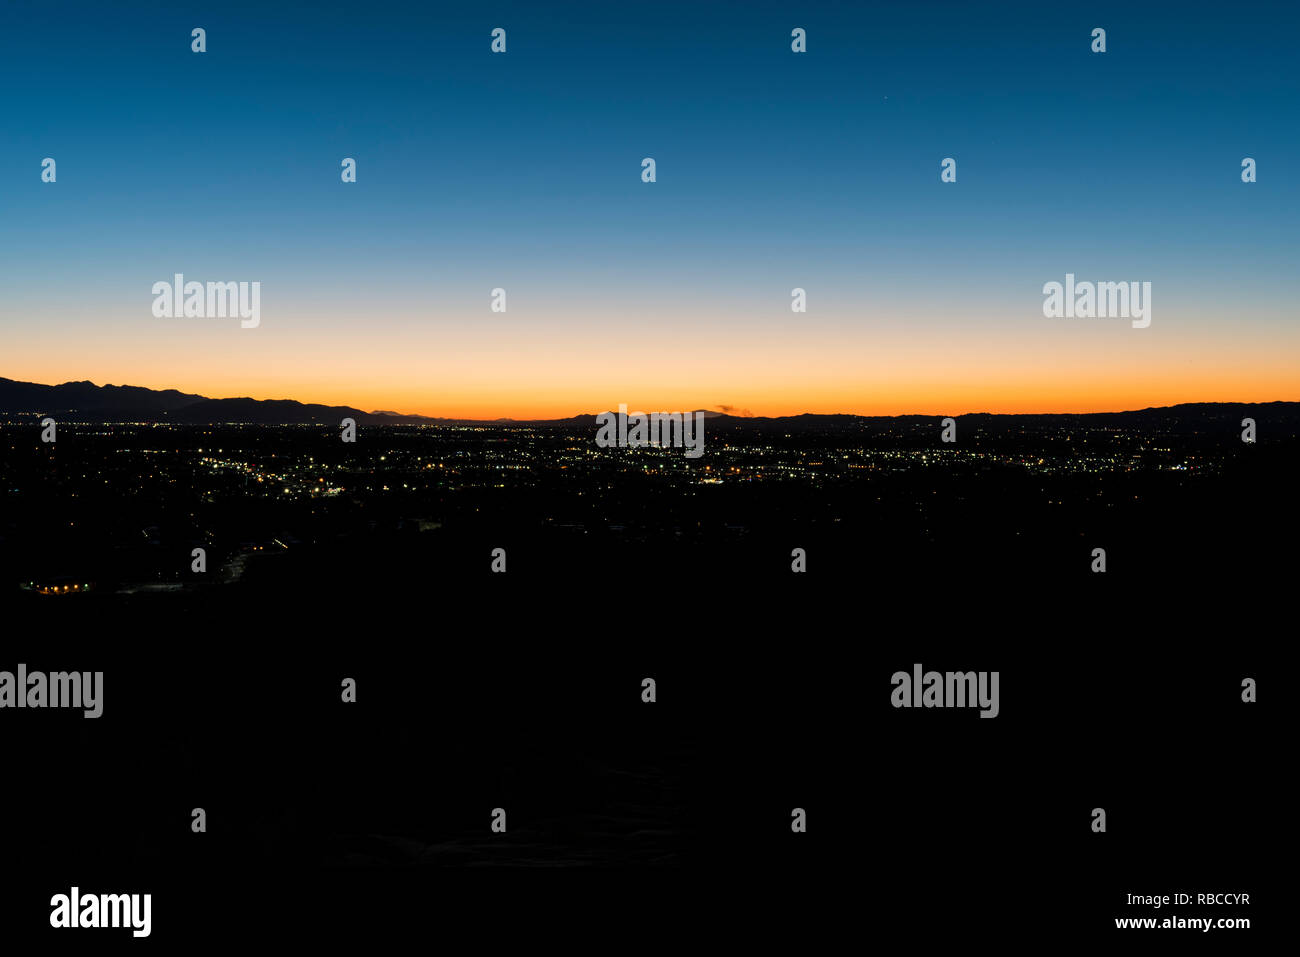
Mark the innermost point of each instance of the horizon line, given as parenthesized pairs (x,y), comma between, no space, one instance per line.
(716,410)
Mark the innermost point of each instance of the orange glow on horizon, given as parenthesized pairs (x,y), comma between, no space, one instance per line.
(528,372)
(920,399)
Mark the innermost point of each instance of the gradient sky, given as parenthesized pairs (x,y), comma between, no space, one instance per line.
(775,170)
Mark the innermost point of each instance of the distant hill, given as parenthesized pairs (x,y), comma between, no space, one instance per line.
(88,397)
(1188,417)
(86,401)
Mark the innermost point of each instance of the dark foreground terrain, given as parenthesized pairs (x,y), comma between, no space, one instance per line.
(523,691)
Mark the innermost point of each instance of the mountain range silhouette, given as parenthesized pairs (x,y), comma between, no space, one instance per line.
(85,401)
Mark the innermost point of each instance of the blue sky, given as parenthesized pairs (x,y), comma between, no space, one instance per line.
(523,170)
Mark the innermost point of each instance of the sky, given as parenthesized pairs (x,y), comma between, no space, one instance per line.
(774,170)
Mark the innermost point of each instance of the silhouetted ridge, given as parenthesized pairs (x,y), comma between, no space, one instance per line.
(86,401)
